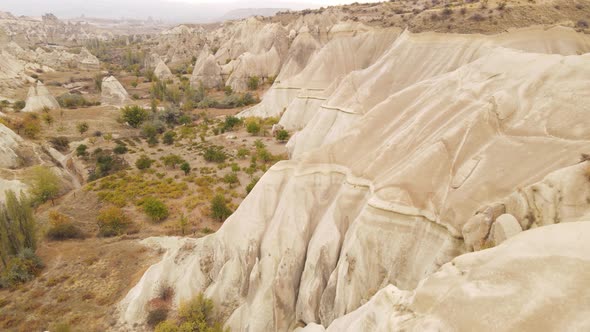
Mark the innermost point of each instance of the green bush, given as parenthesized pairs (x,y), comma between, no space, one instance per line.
(253,127)
(134,115)
(172,160)
(168,138)
(120,149)
(112,221)
(185,167)
(144,162)
(231,179)
(82,127)
(251,185)
(70,100)
(214,154)
(195,315)
(17,237)
(21,268)
(44,184)
(231,122)
(282,135)
(253,82)
(155,209)
(219,209)
(81,150)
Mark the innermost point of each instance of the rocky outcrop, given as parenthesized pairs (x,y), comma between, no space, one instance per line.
(206,71)
(113,93)
(440,128)
(162,71)
(9,144)
(39,98)
(477,291)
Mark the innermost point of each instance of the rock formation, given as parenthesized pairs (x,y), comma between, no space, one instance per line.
(412,152)
(481,291)
(206,71)
(9,143)
(113,93)
(162,71)
(39,98)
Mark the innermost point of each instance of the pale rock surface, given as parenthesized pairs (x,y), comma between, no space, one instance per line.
(162,71)
(206,71)
(39,98)
(384,197)
(113,93)
(307,90)
(507,288)
(360,91)
(505,227)
(9,143)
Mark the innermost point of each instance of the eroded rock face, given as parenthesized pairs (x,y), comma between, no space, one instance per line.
(481,291)
(39,98)
(206,72)
(162,71)
(113,93)
(384,193)
(9,143)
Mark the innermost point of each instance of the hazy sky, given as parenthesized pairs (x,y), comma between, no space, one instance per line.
(170,10)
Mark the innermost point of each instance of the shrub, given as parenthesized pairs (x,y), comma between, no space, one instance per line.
(282,135)
(172,160)
(134,115)
(185,167)
(82,127)
(155,209)
(120,149)
(61,227)
(144,162)
(231,122)
(81,150)
(61,143)
(168,138)
(44,184)
(31,126)
(228,90)
(21,268)
(253,127)
(251,185)
(582,24)
(242,153)
(214,154)
(253,82)
(98,82)
(19,105)
(219,209)
(156,316)
(112,221)
(17,226)
(70,100)
(231,179)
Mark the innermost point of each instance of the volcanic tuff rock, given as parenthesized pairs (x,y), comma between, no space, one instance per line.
(9,143)
(162,71)
(113,93)
(410,138)
(39,98)
(501,289)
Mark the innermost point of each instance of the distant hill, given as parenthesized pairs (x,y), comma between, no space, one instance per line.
(241,13)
